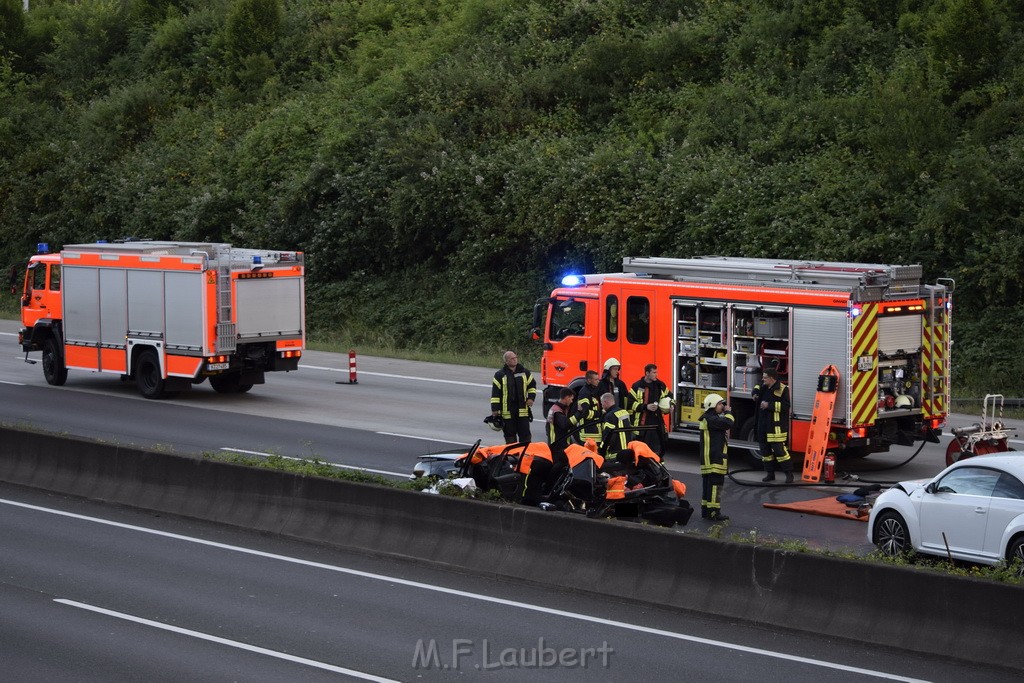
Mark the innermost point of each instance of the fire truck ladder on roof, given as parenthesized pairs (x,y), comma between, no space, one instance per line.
(226,335)
(871,280)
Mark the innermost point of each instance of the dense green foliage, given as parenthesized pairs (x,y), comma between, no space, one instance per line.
(442,161)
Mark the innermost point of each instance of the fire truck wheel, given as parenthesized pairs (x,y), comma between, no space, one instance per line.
(54,370)
(147,375)
(229,384)
(747,434)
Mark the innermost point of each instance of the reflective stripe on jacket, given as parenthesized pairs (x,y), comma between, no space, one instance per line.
(511,391)
(714,442)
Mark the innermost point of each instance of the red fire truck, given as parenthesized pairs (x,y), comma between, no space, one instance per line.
(166,314)
(713,324)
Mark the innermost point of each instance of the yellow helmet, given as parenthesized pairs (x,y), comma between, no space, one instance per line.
(611,363)
(665,404)
(712,400)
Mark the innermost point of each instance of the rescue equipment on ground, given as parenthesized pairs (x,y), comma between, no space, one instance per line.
(981,438)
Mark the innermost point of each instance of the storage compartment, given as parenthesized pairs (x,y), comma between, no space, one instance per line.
(745,345)
(770,327)
(687,329)
(745,378)
(711,378)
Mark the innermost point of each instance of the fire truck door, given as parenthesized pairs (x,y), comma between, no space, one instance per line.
(41,298)
(639,349)
(572,325)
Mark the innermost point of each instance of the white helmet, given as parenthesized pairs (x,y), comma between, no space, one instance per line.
(611,363)
(904,401)
(665,404)
(712,400)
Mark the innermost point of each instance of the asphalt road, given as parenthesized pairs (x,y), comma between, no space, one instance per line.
(95,592)
(397,410)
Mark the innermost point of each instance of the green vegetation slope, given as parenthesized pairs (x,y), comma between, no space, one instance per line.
(443,161)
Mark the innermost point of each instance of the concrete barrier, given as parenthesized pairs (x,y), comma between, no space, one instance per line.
(893,606)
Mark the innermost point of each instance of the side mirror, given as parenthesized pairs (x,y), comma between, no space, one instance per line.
(930,488)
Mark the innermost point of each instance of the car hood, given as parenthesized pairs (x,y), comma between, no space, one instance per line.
(911,485)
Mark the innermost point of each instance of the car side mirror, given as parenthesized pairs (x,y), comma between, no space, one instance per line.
(930,488)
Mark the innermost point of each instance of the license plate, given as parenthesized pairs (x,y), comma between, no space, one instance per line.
(217,366)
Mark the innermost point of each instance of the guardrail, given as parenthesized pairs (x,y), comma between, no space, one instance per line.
(892,606)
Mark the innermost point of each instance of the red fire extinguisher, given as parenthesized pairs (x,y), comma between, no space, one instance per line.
(829,466)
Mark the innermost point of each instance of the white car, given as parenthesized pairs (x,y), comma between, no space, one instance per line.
(973,510)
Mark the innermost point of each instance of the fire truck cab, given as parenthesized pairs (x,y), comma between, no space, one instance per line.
(714,324)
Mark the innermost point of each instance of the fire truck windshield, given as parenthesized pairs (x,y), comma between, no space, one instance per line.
(568,318)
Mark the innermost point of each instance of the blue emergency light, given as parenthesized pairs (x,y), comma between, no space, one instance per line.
(572,280)
(43,248)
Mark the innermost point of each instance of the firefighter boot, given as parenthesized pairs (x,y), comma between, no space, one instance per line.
(770,476)
(789,476)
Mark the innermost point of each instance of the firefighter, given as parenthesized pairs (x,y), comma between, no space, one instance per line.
(559,426)
(773,425)
(611,383)
(715,424)
(647,393)
(512,396)
(616,432)
(587,416)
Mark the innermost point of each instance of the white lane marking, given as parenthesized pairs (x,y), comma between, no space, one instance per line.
(9,334)
(17,384)
(332,464)
(472,596)
(225,641)
(424,438)
(385,374)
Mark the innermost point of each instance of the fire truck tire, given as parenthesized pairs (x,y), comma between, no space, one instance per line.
(229,384)
(54,370)
(147,376)
(747,434)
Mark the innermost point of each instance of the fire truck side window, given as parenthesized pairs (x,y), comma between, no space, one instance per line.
(568,318)
(638,320)
(39,276)
(54,278)
(612,318)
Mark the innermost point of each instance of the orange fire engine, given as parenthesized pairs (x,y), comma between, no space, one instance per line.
(713,324)
(167,314)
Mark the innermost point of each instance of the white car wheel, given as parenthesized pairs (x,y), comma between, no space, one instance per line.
(891,534)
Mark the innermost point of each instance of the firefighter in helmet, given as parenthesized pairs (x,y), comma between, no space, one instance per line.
(611,383)
(715,424)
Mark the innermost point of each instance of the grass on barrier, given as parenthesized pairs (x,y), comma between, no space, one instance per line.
(315,467)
